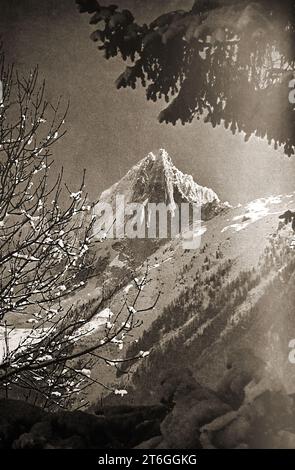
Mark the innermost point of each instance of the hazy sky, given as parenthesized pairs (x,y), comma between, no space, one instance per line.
(110,130)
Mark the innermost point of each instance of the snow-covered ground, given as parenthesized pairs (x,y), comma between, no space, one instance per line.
(97,321)
(20,337)
(257,210)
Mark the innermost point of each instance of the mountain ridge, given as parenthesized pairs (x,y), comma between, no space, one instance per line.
(156,180)
(160,165)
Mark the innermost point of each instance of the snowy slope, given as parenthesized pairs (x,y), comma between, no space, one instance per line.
(240,234)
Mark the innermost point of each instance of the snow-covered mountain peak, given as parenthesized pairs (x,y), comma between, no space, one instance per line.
(160,156)
(155,179)
(179,187)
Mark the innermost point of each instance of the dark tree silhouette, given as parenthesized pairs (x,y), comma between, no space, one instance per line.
(289,218)
(230,62)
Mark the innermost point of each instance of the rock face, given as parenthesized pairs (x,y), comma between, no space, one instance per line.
(156,180)
(190,417)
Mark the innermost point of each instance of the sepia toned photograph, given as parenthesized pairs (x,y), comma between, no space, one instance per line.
(147,227)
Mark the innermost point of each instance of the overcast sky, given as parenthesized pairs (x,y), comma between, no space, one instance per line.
(110,130)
